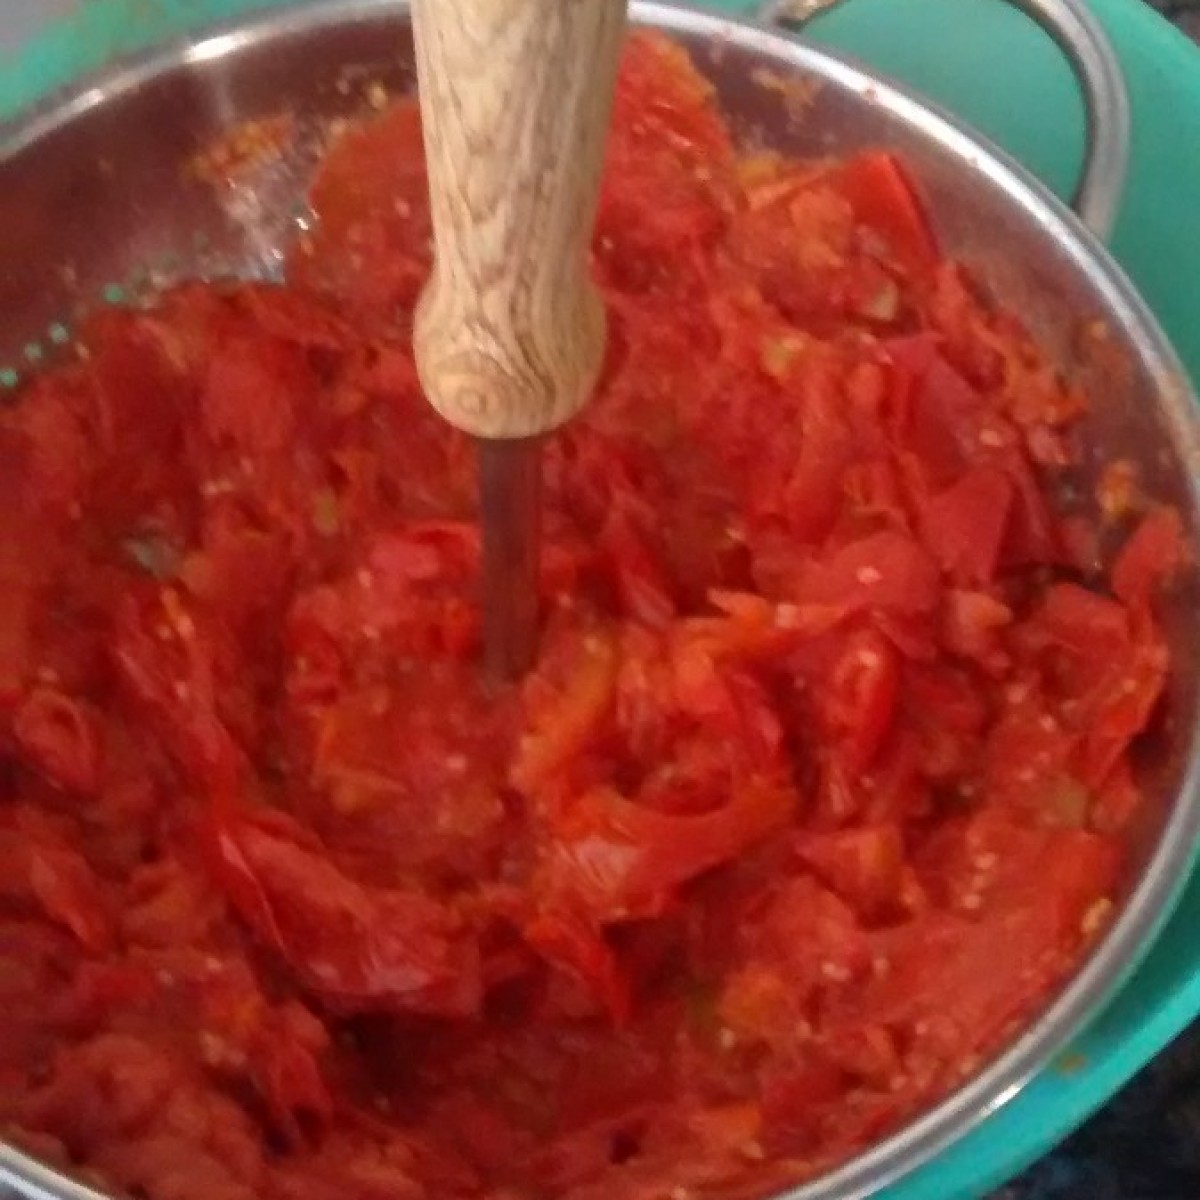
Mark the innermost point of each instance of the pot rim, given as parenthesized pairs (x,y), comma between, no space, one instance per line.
(1167,869)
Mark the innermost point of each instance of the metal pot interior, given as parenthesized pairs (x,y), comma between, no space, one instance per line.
(99,203)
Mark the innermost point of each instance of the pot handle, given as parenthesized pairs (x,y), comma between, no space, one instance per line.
(1106,100)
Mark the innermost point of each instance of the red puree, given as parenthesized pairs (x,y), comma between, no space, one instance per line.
(816,793)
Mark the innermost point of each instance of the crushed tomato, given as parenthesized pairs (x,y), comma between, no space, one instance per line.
(817,791)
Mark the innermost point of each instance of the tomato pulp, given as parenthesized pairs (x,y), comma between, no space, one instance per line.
(818,790)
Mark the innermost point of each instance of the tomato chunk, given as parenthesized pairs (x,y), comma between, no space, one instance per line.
(825,778)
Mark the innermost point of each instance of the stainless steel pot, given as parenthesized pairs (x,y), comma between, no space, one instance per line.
(97,198)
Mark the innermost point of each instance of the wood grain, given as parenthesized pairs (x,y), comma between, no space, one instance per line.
(516,100)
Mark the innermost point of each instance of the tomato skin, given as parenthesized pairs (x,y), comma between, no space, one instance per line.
(287,1073)
(166,665)
(60,738)
(1151,556)
(864,866)
(882,197)
(641,583)
(811,495)
(965,524)
(1124,710)
(860,700)
(68,890)
(1108,663)
(886,571)
(615,860)
(392,950)
(43,874)
(938,411)
(1083,621)
(571,943)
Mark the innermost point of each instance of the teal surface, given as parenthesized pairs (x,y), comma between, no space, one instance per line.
(988,65)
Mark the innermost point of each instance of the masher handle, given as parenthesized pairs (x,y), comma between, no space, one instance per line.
(516,97)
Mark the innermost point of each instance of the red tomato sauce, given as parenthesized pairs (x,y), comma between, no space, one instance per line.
(817,792)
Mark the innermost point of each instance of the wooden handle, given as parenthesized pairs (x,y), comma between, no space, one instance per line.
(516,97)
